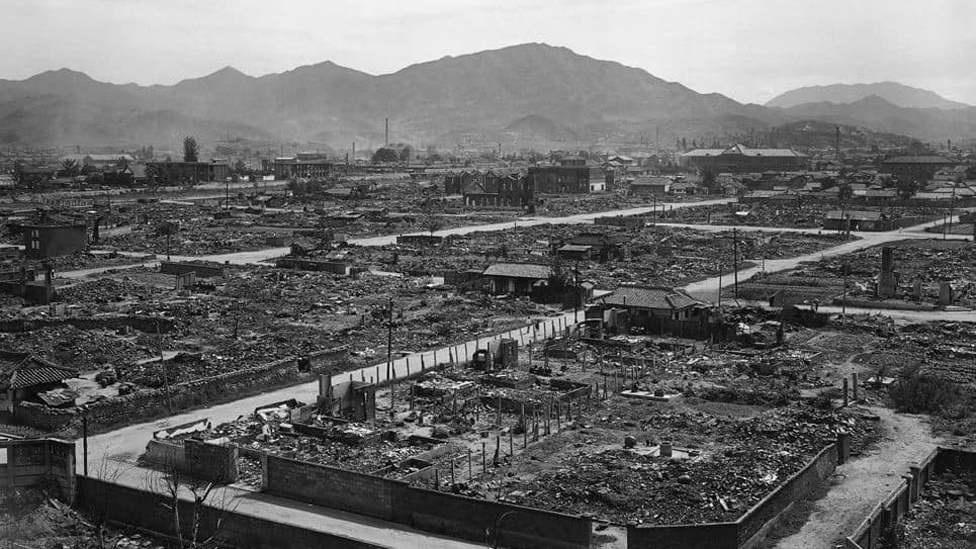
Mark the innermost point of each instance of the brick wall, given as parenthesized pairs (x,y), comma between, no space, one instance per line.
(330,487)
(431,511)
(142,509)
(469,518)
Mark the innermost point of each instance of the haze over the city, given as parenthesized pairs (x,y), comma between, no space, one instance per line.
(750,50)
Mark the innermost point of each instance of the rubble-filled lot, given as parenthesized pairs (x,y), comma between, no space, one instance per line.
(927,261)
(724,466)
(944,517)
(797,214)
(30,520)
(734,417)
(651,255)
(253,317)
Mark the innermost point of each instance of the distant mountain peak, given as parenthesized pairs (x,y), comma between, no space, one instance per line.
(893,92)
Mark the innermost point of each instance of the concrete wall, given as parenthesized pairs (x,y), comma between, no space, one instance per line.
(890,510)
(143,510)
(428,510)
(164,454)
(38,463)
(201,270)
(330,487)
(469,518)
(211,462)
(700,536)
(794,489)
(334,267)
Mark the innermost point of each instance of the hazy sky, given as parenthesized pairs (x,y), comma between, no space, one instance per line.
(750,50)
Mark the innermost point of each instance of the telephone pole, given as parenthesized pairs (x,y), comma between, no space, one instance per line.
(735,262)
(389,343)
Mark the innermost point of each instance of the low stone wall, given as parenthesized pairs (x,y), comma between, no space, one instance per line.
(749,528)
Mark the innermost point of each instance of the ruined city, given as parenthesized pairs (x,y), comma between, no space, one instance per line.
(521,298)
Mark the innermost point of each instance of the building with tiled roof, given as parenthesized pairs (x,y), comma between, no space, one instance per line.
(24,375)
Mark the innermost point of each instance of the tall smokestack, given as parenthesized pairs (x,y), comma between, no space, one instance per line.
(949,145)
(837,141)
(387,132)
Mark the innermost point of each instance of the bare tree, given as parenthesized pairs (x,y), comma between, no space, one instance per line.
(196,507)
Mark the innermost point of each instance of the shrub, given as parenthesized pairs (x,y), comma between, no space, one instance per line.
(918,393)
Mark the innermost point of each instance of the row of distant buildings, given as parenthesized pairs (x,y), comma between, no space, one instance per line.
(572,175)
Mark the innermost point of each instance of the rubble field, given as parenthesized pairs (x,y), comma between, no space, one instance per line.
(926,261)
(944,517)
(796,214)
(734,415)
(29,520)
(652,255)
(254,316)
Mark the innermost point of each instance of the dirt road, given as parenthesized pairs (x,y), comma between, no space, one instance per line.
(862,482)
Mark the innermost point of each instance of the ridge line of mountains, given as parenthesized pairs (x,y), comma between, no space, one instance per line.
(522,96)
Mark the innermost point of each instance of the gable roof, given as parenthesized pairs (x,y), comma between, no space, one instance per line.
(20,370)
(519,270)
(651,297)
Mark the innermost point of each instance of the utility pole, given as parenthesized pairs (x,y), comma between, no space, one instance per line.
(719,282)
(162,364)
(735,261)
(389,344)
(847,272)
(578,296)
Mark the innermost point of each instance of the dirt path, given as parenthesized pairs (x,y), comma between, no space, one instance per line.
(861,483)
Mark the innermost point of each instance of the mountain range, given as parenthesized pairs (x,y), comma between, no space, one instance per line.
(892,92)
(521,96)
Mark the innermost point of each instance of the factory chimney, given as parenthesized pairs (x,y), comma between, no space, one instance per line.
(387,132)
(837,141)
